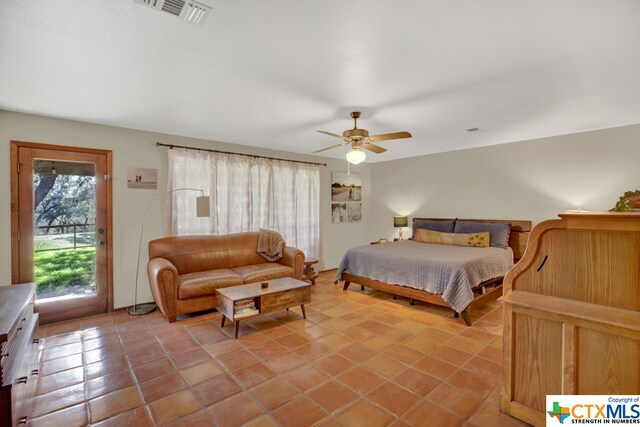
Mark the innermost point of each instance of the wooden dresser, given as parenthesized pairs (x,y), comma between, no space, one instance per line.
(19,353)
(572,312)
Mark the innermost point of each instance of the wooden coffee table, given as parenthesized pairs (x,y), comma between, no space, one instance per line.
(279,295)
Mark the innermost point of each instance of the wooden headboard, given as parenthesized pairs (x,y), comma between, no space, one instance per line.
(517,238)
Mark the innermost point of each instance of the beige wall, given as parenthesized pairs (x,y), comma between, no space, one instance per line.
(524,180)
(533,179)
(137,148)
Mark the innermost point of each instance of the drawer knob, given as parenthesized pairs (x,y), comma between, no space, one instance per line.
(36,340)
(23,420)
(35,372)
(22,380)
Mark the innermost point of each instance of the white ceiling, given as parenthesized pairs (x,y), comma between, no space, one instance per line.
(269,73)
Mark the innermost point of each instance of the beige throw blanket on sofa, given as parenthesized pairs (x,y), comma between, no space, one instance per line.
(270,245)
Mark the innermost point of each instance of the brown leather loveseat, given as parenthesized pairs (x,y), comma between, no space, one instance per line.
(185,271)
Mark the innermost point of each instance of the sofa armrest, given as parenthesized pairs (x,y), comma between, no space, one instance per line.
(294,258)
(163,280)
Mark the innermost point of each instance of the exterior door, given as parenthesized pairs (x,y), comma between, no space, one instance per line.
(61,230)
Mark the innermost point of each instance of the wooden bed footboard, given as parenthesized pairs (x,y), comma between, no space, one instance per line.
(420,295)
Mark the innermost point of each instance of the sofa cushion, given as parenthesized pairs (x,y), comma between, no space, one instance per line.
(206,282)
(190,254)
(242,249)
(263,271)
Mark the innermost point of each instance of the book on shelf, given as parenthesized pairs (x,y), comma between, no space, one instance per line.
(245,304)
(251,304)
(245,313)
(244,308)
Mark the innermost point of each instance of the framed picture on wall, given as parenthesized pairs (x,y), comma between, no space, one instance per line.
(346,187)
(354,212)
(142,178)
(338,212)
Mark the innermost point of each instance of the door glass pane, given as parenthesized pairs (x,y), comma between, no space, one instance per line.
(64,229)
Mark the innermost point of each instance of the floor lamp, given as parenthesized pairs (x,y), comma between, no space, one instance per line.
(202,210)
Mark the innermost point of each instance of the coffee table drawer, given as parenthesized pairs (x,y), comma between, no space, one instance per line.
(285,299)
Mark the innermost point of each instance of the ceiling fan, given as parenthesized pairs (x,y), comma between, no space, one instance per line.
(359,139)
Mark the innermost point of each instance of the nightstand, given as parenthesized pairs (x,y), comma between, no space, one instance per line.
(308,273)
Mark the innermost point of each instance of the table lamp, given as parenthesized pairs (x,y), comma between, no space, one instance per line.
(399,222)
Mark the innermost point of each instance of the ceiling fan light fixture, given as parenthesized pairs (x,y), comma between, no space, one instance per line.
(359,139)
(356,156)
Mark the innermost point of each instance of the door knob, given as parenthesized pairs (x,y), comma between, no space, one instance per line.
(101,242)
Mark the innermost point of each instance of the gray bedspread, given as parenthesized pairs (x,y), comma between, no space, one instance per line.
(451,271)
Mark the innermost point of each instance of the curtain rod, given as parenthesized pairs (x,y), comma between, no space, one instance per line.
(171,146)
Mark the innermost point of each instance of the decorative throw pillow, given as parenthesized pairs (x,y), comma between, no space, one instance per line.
(477,240)
(445,226)
(499,231)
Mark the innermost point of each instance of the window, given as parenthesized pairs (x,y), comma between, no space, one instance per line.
(246,194)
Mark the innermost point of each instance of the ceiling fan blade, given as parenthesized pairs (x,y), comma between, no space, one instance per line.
(386,136)
(372,147)
(329,133)
(333,146)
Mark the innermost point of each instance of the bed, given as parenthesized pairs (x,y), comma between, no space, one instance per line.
(461,278)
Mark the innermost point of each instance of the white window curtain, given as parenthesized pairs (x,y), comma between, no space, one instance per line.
(246,194)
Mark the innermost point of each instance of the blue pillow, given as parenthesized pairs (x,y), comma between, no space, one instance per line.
(445,226)
(499,231)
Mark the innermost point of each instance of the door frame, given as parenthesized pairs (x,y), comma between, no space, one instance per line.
(15,215)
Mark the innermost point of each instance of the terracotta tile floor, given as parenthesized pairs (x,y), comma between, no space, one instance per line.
(360,359)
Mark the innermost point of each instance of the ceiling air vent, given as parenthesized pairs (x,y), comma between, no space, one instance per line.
(173,7)
(188,10)
(195,12)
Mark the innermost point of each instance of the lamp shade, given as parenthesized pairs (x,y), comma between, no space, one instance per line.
(356,156)
(202,206)
(400,221)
